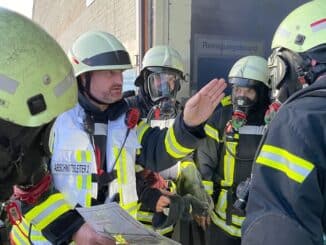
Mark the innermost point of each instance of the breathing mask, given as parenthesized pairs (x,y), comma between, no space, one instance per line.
(163,84)
(244,97)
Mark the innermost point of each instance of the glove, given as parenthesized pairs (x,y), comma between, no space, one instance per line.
(171,214)
(198,210)
(194,206)
(86,235)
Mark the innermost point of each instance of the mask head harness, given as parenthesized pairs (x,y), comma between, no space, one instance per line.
(290,72)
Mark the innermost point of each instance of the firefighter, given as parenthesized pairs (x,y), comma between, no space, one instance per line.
(225,157)
(86,168)
(287,196)
(37,84)
(159,82)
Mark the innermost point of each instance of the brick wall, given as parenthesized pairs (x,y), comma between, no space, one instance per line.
(66,20)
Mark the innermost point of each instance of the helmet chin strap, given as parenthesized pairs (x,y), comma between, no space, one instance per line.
(100,102)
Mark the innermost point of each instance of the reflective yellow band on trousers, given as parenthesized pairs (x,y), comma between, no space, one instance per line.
(221,206)
(232,230)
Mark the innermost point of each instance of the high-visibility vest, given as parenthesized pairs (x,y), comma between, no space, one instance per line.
(72,166)
(73,161)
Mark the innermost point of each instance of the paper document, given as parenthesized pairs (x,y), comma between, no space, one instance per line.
(110,219)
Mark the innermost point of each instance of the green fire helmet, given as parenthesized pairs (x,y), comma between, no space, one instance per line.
(163,56)
(96,50)
(303,29)
(36,78)
(251,68)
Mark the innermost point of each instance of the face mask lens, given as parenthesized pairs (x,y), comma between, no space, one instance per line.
(163,85)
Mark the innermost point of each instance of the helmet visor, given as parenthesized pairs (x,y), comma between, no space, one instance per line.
(243,82)
(163,85)
(277,69)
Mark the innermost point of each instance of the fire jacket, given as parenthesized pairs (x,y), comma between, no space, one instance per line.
(224,161)
(288,192)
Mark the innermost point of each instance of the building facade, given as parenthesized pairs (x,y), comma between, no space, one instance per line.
(209,34)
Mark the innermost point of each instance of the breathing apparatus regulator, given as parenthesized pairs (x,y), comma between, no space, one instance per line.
(241,105)
(165,109)
(272,111)
(238,118)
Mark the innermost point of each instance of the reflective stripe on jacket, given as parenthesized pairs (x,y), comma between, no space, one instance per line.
(38,218)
